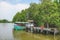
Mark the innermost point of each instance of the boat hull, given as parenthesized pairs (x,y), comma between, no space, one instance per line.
(17,27)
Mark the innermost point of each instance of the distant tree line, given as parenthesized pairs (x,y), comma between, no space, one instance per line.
(4,21)
(47,12)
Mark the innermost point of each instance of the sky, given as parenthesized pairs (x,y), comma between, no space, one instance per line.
(8,8)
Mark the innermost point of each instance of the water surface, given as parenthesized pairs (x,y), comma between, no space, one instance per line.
(6,31)
(22,35)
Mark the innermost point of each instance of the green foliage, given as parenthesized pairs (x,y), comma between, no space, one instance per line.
(42,13)
(4,21)
(20,16)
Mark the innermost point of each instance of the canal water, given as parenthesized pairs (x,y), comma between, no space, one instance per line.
(7,33)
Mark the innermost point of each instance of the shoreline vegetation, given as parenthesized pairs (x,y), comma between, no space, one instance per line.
(5,21)
(46,13)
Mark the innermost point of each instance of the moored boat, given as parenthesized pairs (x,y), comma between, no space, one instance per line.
(20,25)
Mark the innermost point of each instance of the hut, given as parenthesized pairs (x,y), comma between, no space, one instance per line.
(29,26)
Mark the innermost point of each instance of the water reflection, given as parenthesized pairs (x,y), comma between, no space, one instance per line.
(6,31)
(22,35)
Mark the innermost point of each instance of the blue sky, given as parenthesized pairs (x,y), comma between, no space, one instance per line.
(20,1)
(8,8)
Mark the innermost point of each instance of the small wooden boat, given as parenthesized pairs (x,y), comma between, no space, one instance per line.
(19,25)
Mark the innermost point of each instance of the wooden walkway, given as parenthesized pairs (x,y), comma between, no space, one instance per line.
(44,30)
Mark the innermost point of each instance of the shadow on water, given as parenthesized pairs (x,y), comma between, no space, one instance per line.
(22,35)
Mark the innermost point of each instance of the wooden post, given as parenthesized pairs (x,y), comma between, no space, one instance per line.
(54,32)
(47,27)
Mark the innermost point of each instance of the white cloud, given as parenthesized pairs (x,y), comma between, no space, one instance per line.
(7,11)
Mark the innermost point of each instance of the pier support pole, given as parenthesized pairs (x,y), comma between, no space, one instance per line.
(54,32)
(47,27)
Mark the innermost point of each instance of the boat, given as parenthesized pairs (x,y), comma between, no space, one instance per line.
(20,25)
(16,27)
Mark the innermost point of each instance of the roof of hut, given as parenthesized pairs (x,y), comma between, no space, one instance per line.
(30,21)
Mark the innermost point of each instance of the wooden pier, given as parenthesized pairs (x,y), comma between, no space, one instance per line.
(44,30)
